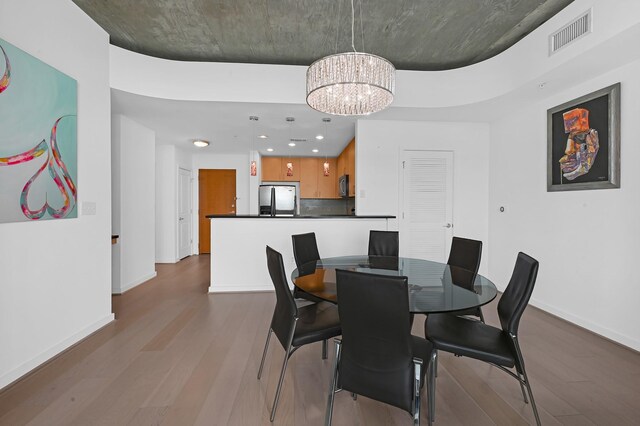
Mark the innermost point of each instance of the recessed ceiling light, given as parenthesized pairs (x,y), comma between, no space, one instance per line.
(200,143)
(319,137)
(263,136)
(314,150)
(270,149)
(292,144)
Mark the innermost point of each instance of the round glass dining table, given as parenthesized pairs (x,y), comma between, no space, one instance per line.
(433,287)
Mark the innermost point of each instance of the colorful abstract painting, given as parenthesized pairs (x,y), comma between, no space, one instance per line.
(38,139)
(583,142)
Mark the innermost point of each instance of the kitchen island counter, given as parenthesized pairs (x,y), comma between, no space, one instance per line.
(333,216)
(238,258)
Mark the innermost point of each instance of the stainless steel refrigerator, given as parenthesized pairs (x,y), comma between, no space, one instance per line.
(277,200)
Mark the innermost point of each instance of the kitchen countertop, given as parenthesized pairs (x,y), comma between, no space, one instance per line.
(255,216)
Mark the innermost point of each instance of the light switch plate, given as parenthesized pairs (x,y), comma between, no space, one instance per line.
(89,208)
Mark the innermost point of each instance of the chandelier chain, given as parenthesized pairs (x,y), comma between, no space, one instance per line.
(338,25)
(362,27)
(353,21)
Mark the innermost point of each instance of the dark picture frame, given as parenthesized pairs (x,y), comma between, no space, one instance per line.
(583,142)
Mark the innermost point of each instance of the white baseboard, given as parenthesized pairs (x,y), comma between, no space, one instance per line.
(622,339)
(134,283)
(26,367)
(167,260)
(239,288)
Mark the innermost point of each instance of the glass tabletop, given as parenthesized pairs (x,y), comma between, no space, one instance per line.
(433,287)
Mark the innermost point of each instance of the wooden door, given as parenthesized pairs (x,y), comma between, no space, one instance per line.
(216,195)
(309,177)
(327,185)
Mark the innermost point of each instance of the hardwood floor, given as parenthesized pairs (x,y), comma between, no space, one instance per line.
(177,355)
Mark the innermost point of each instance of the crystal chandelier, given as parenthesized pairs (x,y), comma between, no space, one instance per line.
(350,83)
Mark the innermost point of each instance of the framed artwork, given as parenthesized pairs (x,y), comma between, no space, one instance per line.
(583,142)
(38,139)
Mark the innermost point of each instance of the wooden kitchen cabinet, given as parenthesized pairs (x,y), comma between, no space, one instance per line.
(309,171)
(271,169)
(275,169)
(327,185)
(346,165)
(341,168)
(309,177)
(313,182)
(351,166)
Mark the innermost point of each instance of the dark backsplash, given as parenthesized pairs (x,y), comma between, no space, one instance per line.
(314,207)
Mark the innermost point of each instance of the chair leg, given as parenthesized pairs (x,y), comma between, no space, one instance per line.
(287,355)
(354,396)
(431,386)
(284,369)
(526,379)
(264,353)
(324,349)
(333,384)
(417,367)
(524,393)
(481,315)
(435,367)
(533,402)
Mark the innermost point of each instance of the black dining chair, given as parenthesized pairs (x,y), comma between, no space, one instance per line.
(466,254)
(305,250)
(377,356)
(498,346)
(295,326)
(384,243)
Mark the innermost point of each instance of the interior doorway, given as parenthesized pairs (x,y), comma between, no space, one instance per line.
(216,195)
(185,239)
(426,204)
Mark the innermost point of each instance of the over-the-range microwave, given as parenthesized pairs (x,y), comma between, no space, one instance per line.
(343,186)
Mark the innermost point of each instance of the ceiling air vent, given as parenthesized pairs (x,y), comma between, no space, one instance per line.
(579,27)
(298,140)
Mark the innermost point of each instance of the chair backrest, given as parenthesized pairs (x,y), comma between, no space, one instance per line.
(305,248)
(285,312)
(377,355)
(465,254)
(516,296)
(384,243)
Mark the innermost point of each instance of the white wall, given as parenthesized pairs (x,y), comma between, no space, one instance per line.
(166,204)
(239,163)
(56,277)
(586,241)
(135,209)
(379,145)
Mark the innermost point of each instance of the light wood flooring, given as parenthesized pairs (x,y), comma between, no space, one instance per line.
(177,355)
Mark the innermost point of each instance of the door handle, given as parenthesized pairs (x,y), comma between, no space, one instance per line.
(182,218)
(448,225)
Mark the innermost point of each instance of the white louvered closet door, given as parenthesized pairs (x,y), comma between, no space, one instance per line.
(426,205)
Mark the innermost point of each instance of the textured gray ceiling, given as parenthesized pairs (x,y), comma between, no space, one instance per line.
(412,34)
